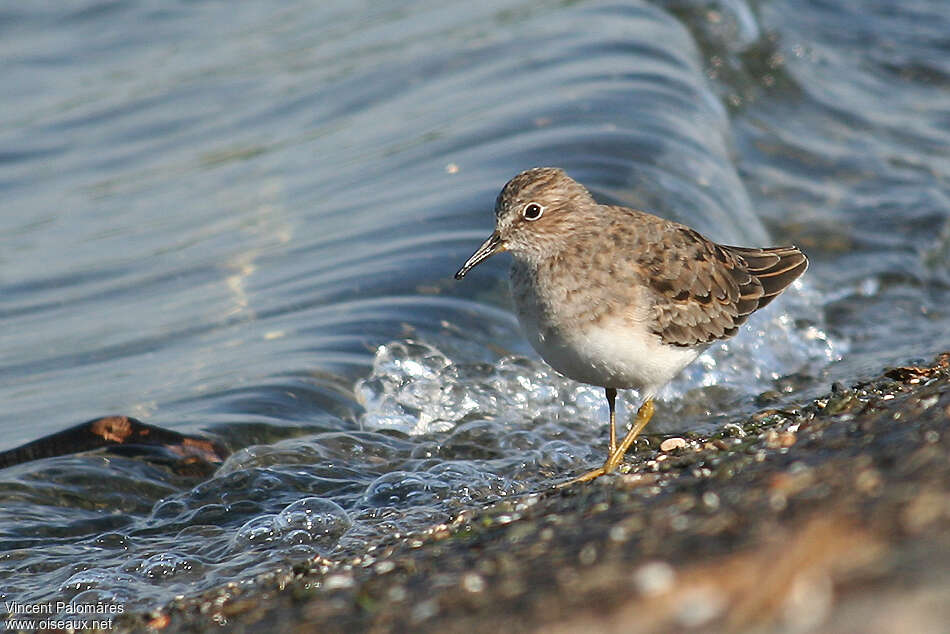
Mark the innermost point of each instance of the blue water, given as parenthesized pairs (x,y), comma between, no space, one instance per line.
(243,220)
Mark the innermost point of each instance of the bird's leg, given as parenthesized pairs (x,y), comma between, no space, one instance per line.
(644,414)
(611,401)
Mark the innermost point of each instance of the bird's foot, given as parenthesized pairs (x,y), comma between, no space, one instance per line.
(614,460)
(617,452)
(587,477)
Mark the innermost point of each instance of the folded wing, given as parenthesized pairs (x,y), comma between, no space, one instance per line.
(704,291)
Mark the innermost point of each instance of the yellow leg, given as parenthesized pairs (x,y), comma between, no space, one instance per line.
(644,414)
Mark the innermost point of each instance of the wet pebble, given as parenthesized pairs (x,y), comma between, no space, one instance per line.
(779,440)
(672,444)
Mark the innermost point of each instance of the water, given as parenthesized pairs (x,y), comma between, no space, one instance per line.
(243,220)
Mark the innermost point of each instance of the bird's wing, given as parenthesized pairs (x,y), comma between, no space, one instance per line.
(704,291)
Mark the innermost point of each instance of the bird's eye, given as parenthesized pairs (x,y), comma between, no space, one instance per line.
(532,211)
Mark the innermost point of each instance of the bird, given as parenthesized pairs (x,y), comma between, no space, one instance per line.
(620,298)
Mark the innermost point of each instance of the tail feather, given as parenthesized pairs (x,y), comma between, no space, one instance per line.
(774,267)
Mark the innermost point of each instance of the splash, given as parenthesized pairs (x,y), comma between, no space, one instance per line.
(417,388)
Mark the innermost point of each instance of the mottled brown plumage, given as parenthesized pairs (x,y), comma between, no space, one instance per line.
(620,298)
(705,291)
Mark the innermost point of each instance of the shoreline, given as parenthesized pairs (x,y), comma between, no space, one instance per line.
(834,515)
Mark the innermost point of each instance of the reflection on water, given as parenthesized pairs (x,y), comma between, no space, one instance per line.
(245,220)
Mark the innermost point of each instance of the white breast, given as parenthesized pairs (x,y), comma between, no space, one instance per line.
(592,336)
(611,355)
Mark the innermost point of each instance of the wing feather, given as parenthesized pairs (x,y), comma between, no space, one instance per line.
(704,291)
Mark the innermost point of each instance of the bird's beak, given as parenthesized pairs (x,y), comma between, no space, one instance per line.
(489,248)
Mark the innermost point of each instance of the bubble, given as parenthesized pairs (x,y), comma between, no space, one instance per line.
(257,531)
(94,578)
(474,440)
(312,520)
(168,565)
(168,508)
(112,541)
(404,488)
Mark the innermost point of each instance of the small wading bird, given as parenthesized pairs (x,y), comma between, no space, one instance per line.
(620,298)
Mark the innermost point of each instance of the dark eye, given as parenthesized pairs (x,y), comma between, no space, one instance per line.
(532,211)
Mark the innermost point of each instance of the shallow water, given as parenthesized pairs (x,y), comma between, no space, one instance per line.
(245,221)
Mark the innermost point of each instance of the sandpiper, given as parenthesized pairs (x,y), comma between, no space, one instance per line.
(620,298)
